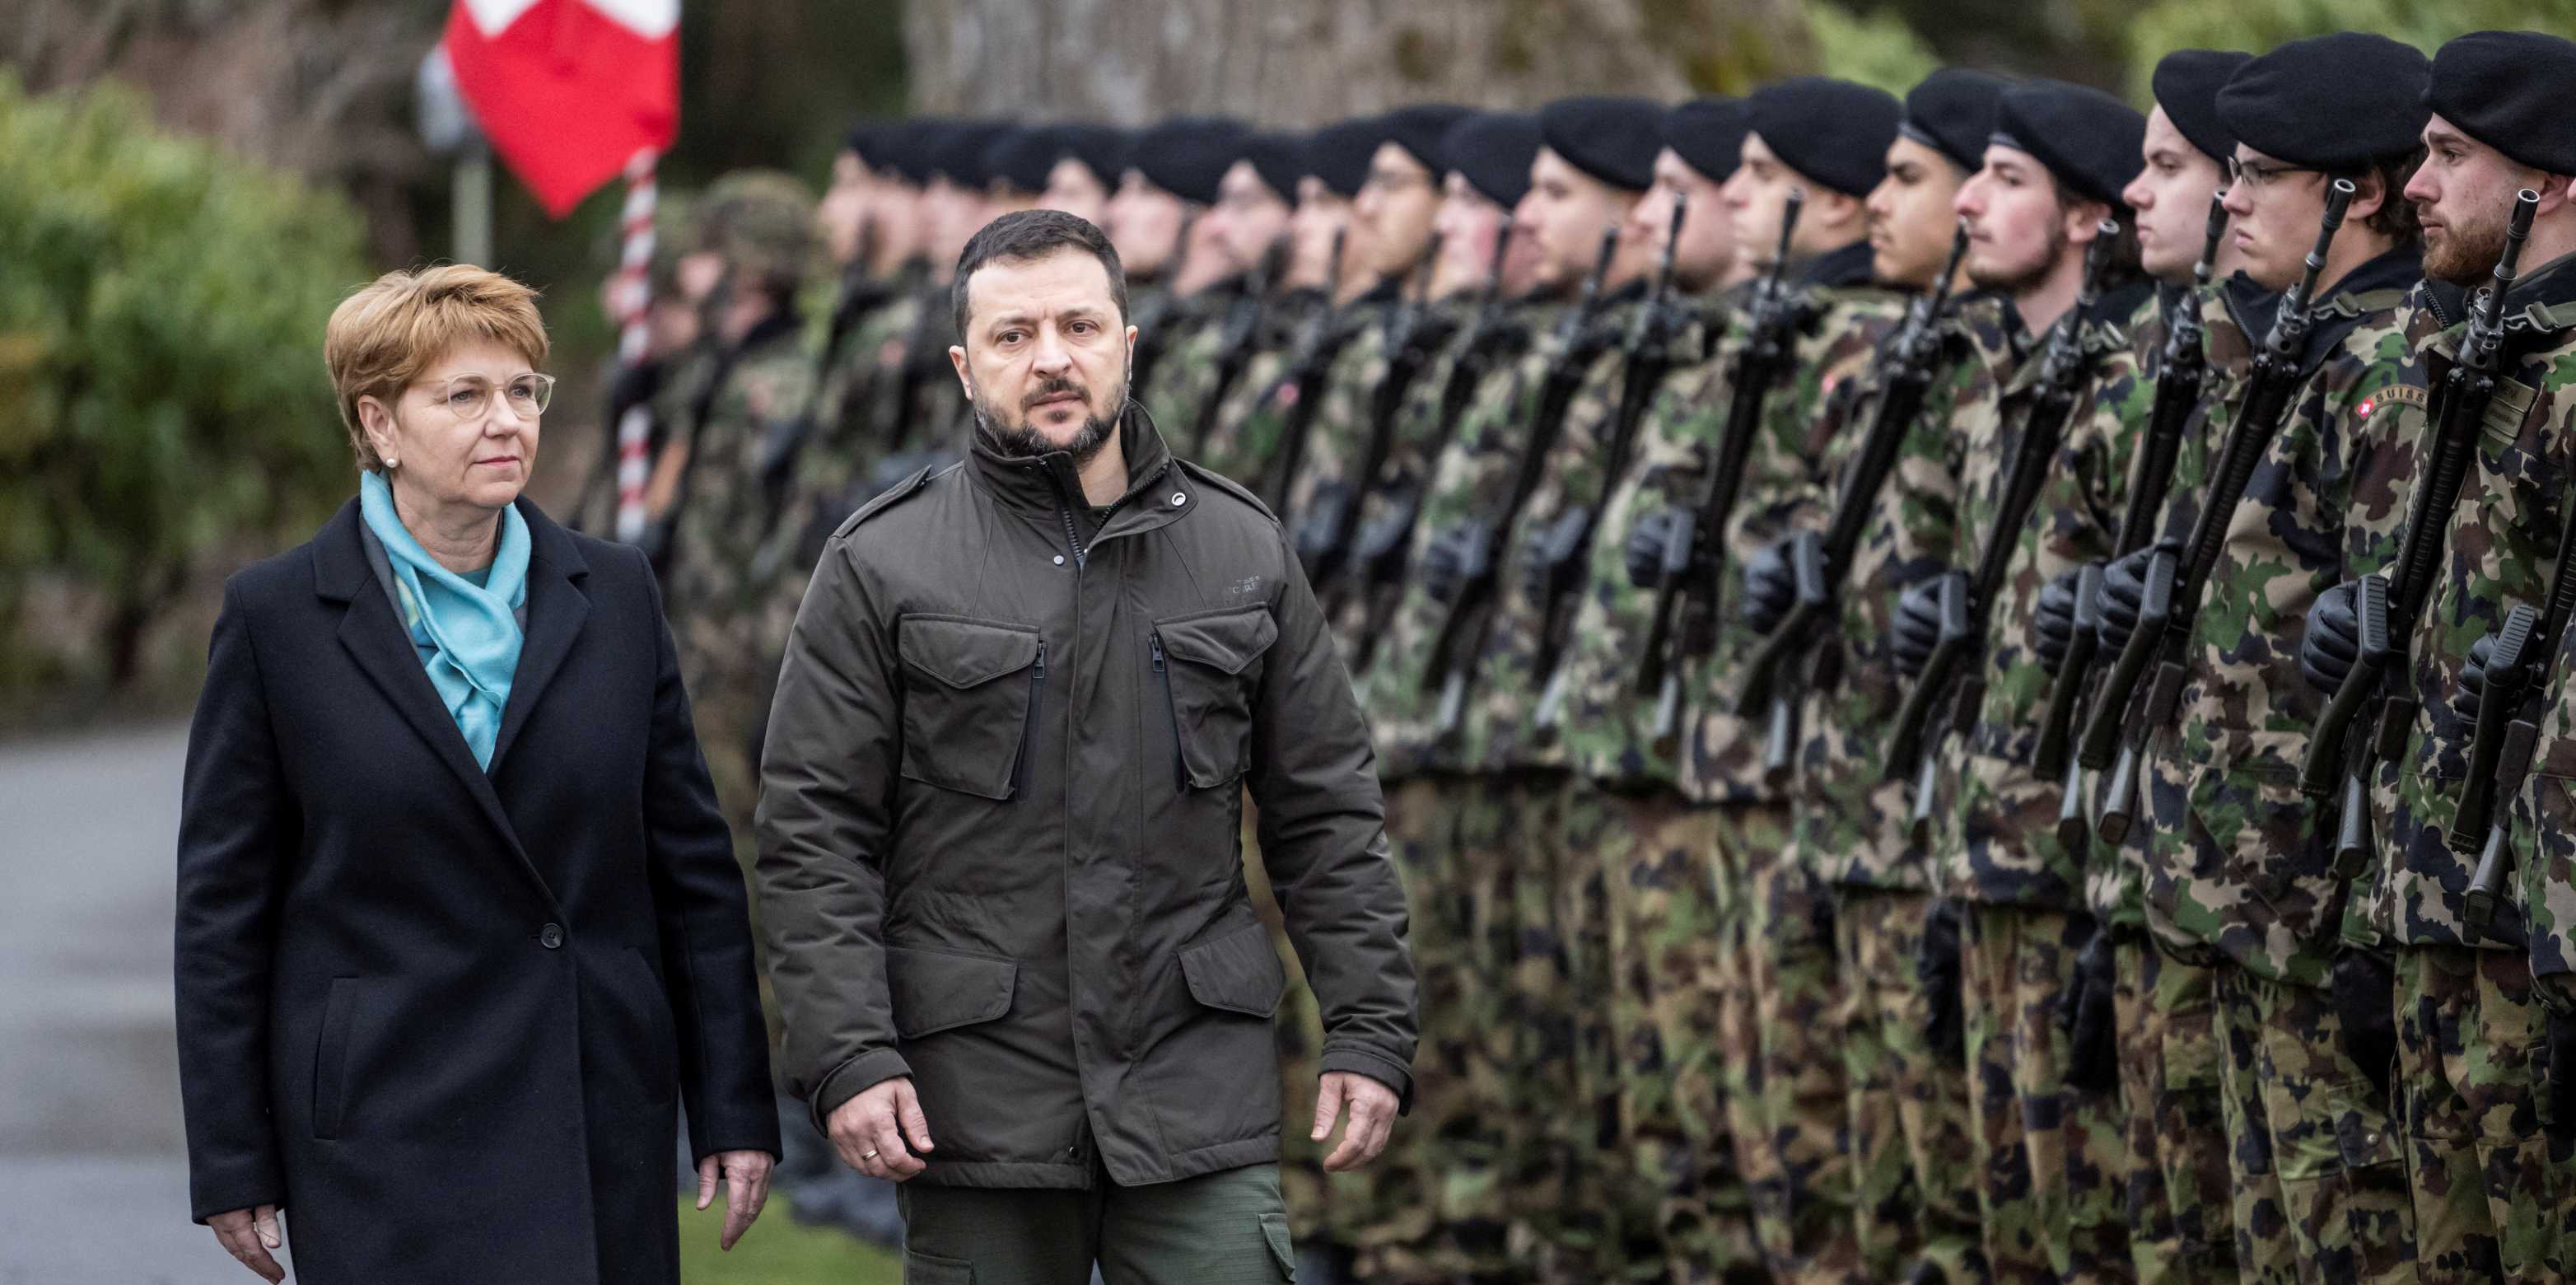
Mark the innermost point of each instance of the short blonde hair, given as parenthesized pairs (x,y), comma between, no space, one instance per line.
(383,336)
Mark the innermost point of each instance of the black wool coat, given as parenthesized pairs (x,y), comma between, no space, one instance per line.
(446,1017)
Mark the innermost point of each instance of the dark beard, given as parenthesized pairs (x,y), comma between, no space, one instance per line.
(1022,442)
(2022,281)
(2466,256)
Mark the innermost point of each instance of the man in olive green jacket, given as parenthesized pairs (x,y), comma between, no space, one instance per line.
(1000,808)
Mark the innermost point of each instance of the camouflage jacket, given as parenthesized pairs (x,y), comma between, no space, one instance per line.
(2238,861)
(1347,351)
(1994,821)
(1205,407)
(2502,544)
(1846,321)
(722,513)
(1849,820)
(866,359)
(2542,824)
(1400,694)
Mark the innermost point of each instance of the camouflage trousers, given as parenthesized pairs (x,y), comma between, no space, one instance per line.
(1913,1161)
(2052,1157)
(2180,1228)
(2491,1200)
(2320,1191)
(1667,1118)
(1782,1007)
(729,693)
(1581,1214)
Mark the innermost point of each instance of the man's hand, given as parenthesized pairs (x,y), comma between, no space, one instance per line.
(1373,1107)
(1770,588)
(248,1235)
(2052,624)
(746,1177)
(2332,642)
(864,1129)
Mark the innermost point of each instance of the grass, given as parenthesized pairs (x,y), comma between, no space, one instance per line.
(777,1251)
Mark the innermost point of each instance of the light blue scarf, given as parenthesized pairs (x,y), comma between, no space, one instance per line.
(468,635)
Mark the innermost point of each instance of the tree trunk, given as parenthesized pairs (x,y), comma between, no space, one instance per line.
(1305,62)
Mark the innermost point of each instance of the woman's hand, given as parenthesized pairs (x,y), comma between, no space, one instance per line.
(248,1235)
(746,1177)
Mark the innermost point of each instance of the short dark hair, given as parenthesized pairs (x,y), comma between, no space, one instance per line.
(1025,235)
(2396,218)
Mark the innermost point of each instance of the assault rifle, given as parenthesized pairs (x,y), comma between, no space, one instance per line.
(1565,552)
(1324,540)
(1821,563)
(1967,600)
(1308,363)
(2517,670)
(1454,650)
(2387,605)
(1694,564)
(1235,346)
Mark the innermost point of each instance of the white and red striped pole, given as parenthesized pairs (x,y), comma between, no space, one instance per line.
(634,296)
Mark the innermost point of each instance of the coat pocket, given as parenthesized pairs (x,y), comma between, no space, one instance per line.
(1208,665)
(970,701)
(936,990)
(1238,972)
(331,1058)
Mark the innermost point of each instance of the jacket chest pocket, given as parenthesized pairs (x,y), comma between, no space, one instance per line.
(1206,666)
(971,694)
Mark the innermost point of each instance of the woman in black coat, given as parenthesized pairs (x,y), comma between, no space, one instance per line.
(459,928)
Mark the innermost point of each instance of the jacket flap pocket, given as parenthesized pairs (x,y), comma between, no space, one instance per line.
(1237,971)
(1226,641)
(965,653)
(935,990)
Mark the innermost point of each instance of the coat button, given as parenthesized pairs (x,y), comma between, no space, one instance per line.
(551,936)
(1059,559)
(1180,497)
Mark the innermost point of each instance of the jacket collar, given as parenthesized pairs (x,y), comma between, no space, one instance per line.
(1052,482)
(1843,268)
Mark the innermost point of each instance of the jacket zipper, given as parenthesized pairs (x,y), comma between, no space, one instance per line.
(1163,675)
(1029,728)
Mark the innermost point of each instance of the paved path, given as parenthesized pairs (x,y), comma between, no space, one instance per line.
(93,1176)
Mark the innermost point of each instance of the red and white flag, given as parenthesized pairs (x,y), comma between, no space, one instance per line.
(569,91)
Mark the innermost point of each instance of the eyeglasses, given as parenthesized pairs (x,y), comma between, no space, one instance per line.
(470,397)
(2257,175)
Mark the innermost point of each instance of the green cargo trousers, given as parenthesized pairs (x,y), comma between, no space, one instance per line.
(1223,1228)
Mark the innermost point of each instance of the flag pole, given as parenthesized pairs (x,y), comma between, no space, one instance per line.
(634,297)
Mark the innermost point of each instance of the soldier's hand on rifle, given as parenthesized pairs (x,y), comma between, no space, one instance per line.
(1644,551)
(2333,638)
(2052,623)
(1770,589)
(2473,680)
(2124,595)
(1917,628)
(2364,984)
(1445,561)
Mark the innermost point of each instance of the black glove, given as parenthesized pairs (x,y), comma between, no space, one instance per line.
(2365,1000)
(2333,639)
(2558,1105)
(1917,628)
(2052,623)
(2473,680)
(1770,589)
(2124,595)
(1446,559)
(1936,968)
(1644,550)
(2088,1014)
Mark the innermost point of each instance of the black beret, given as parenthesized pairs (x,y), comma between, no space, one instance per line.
(1279,158)
(867,138)
(2514,91)
(1340,153)
(1419,128)
(1102,149)
(906,145)
(1708,134)
(961,156)
(1832,131)
(2333,102)
(2085,137)
(1023,156)
(1493,151)
(1953,112)
(1612,139)
(1187,156)
(2186,85)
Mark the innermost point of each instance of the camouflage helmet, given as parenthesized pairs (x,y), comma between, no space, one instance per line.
(762,222)
(674,237)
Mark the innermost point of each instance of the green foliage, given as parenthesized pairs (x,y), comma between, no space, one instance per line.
(776,1251)
(2260,24)
(161,388)
(1876,48)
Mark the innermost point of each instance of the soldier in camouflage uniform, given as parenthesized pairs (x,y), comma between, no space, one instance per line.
(1774,966)
(1910,1158)
(1090,162)
(1652,850)
(1239,244)
(762,383)
(2051,1156)
(2237,872)
(670,338)
(1149,225)
(2490,1183)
